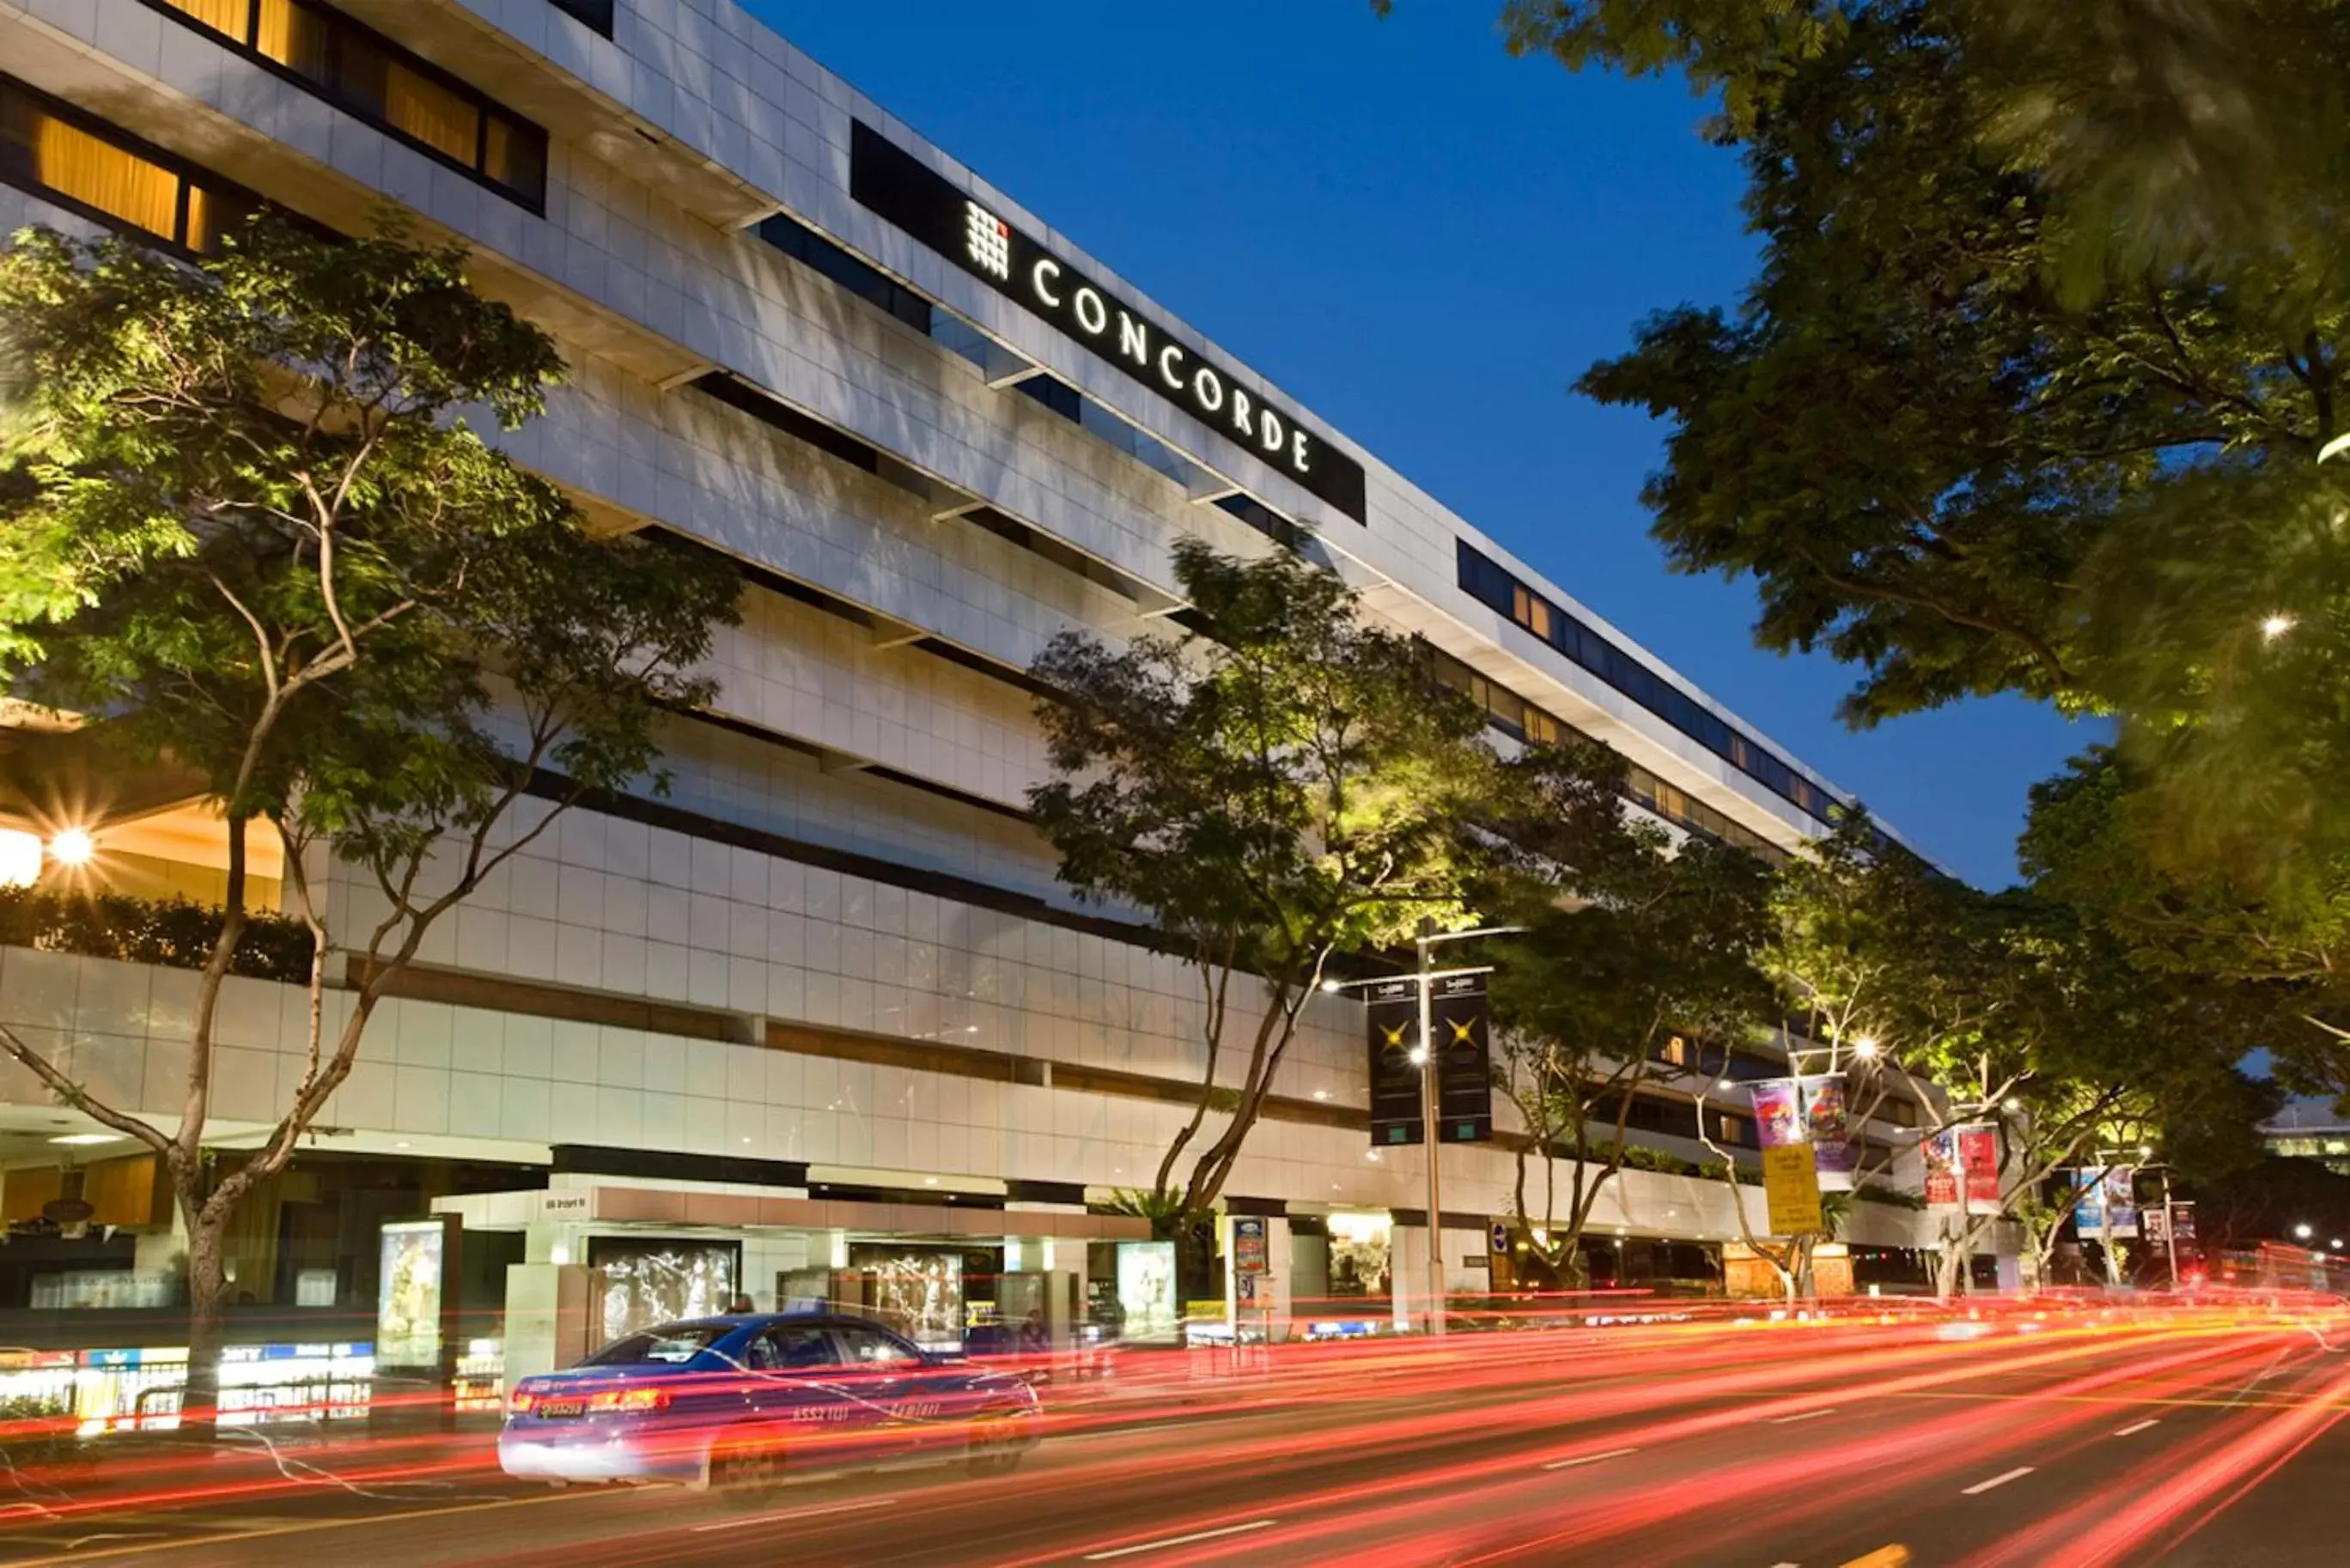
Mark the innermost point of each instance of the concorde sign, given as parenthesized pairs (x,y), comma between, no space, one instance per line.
(898,186)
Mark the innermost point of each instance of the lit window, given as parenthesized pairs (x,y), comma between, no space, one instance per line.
(46,150)
(355,69)
(1531,613)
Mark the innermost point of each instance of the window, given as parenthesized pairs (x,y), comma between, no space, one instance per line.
(1059,396)
(672,1344)
(367,74)
(870,1348)
(595,13)
(788,1349)
(804,245)
(55,152)
(1530,612)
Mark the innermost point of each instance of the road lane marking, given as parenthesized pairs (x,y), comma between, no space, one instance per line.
(1893,1556)
(2138,1426)
(1588,1459)
(792,1514)
(2018,1473)
(1801,1416)
(1180,1540)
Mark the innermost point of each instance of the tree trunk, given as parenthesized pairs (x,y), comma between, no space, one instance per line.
(207,1291)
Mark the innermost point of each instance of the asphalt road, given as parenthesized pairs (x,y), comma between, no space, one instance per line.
(2178,1439)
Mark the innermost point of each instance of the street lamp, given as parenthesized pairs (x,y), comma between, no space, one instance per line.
(2303,1232)
(1424,1057)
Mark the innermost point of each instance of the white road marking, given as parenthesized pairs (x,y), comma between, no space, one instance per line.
(2018,1473)
(1801,1416)
(793,1513)
(1181,1540)
(1588,1459)
(2138,1427)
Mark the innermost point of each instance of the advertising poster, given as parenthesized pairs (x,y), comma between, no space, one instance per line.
(1941,1156)
(2089,1214)
(2121,1203)
(1250,1255)
(1778,1113)
(1979,1164)
(1791,1190)
(662,1281)
(916,1291)
(408,1306)
(1827,1127)
(1146,1289)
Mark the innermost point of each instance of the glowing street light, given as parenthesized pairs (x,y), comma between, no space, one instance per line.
(2303,1232)
(1866,1047)
(2276,626)
(72,847)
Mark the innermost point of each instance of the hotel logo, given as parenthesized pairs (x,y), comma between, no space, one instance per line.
(987,239)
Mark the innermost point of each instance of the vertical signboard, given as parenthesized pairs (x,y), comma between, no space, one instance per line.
(416,1305)
(1941,1156)
(1249,1254)
(1826,1127)
(1979,1162)
(1791,1190)
(1464,1059)
(2089,1213)
(2121,1203)
(1391,1011)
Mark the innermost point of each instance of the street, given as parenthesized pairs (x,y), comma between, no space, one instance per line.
(2179,1438)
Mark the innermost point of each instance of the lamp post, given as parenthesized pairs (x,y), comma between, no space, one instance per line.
(1425,1055)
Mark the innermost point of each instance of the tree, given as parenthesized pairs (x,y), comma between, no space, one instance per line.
(2036,387)
(1282,785)
(247,529)
(1631,941)
(2017,1013)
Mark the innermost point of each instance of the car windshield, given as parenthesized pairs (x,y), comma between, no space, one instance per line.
(671,1344)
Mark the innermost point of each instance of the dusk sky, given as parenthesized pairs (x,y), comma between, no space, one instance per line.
(1424,241)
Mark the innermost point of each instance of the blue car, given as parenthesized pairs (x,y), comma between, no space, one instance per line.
(730,1402)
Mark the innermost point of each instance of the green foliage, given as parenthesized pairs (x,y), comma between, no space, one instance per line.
(1284,788)
(253,525)
(1636,1157)
(173,933)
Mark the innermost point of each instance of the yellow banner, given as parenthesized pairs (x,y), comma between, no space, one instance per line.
(1791,1188)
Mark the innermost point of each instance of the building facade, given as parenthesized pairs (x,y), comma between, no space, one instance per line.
(824,1004)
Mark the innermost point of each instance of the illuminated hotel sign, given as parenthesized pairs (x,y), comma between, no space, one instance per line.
(900,188)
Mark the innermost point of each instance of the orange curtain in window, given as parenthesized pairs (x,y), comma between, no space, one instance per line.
(293,36)
(431,113)
(221,16)
(80,165)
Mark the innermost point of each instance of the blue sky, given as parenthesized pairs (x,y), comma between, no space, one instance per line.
(1424,241)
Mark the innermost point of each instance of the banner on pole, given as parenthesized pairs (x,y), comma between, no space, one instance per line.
(2089,1213)
(1978,1160)
(1391,1010)
(1941,1156)
(1791,1190)
(1464,1059)
(1809,1112)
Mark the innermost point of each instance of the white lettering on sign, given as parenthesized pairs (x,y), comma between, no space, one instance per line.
(1092,313)
(1039,278)
(1209,387)
(1168,358)
(565,1205)
(1133,338)
(1241,421)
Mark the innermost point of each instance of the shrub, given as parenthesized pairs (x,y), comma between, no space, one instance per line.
(173,933)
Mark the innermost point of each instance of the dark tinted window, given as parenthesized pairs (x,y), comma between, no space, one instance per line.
(800,1346)
(597,13)
(804,245)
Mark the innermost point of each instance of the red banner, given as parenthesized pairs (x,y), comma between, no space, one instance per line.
(1978,1159)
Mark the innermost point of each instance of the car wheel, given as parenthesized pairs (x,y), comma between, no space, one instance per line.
(746,1469)
(998,1443)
